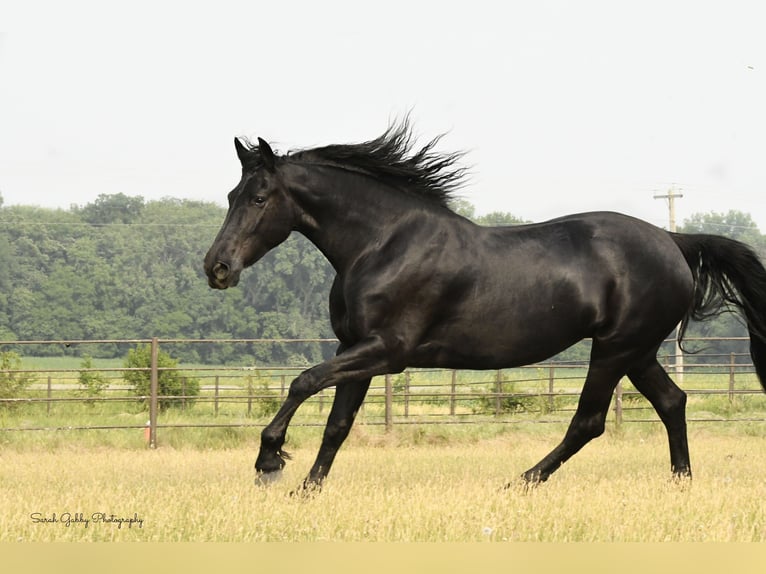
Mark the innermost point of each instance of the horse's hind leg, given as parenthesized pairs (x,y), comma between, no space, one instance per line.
(670,403)
(590,417)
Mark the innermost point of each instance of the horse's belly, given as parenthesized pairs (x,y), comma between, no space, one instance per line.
(494,344)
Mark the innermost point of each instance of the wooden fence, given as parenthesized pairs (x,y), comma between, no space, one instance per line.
(235,395)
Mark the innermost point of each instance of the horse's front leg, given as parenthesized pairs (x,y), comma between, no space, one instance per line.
(348,399)
(355,365)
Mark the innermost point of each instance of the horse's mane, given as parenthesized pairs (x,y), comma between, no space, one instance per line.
(391,158)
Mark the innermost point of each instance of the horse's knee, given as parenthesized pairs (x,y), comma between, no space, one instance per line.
(674,402)
(671,407)
(302,387)
(586,428)
(595,427)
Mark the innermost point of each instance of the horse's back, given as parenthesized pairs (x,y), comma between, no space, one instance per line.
(537,289)
(598,245)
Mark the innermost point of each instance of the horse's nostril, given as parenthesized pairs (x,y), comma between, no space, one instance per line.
(221,271)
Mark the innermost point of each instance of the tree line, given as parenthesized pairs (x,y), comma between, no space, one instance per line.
(124,267)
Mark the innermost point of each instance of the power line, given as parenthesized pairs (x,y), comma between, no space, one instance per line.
(97,225)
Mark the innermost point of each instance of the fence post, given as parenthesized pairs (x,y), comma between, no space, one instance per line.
(215,396)
(679,362)
(249,396)
(732,360)
(406,394)
(453,391)
(618,404)
(183,393)
(389,404)
(153,392)
(498,390)
(50,395)
(551,378)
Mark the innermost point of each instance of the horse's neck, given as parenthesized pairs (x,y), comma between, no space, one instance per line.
(344,218)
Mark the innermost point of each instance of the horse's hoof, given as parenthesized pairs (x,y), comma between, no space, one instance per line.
(533,478)
(308,489)
(267,478)
(681,480)
(521,485)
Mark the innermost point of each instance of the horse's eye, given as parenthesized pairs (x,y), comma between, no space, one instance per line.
(258,200)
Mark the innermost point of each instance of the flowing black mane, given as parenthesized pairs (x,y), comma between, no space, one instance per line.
(392,159)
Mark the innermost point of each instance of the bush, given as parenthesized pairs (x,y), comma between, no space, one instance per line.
(92,383)
(268,401)
(490,403)
(12,384)
(173,386)
(510,401)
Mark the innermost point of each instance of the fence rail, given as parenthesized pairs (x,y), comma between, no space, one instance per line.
(242,396)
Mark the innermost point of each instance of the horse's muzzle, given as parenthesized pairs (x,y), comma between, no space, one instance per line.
(221,276)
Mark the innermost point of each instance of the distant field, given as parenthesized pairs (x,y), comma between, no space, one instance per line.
(397,487)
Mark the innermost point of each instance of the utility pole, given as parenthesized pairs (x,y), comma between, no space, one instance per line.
(671,196)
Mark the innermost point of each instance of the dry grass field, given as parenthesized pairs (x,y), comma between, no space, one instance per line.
(383,488)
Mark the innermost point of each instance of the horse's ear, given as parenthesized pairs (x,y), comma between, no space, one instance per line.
(267,155)
(242,153)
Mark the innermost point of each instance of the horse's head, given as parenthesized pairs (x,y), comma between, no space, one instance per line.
(261,215)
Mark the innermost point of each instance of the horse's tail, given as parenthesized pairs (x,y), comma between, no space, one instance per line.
(727,273)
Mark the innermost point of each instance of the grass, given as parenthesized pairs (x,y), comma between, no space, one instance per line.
(389,487)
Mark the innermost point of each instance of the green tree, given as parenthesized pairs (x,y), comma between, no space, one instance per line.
(734,224)
(122,267)
(499,219)
(6,262)
(114,208)
(463,207)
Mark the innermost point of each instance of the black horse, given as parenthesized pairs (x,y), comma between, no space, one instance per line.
(418,285)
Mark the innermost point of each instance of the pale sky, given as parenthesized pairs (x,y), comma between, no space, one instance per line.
(562,106)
